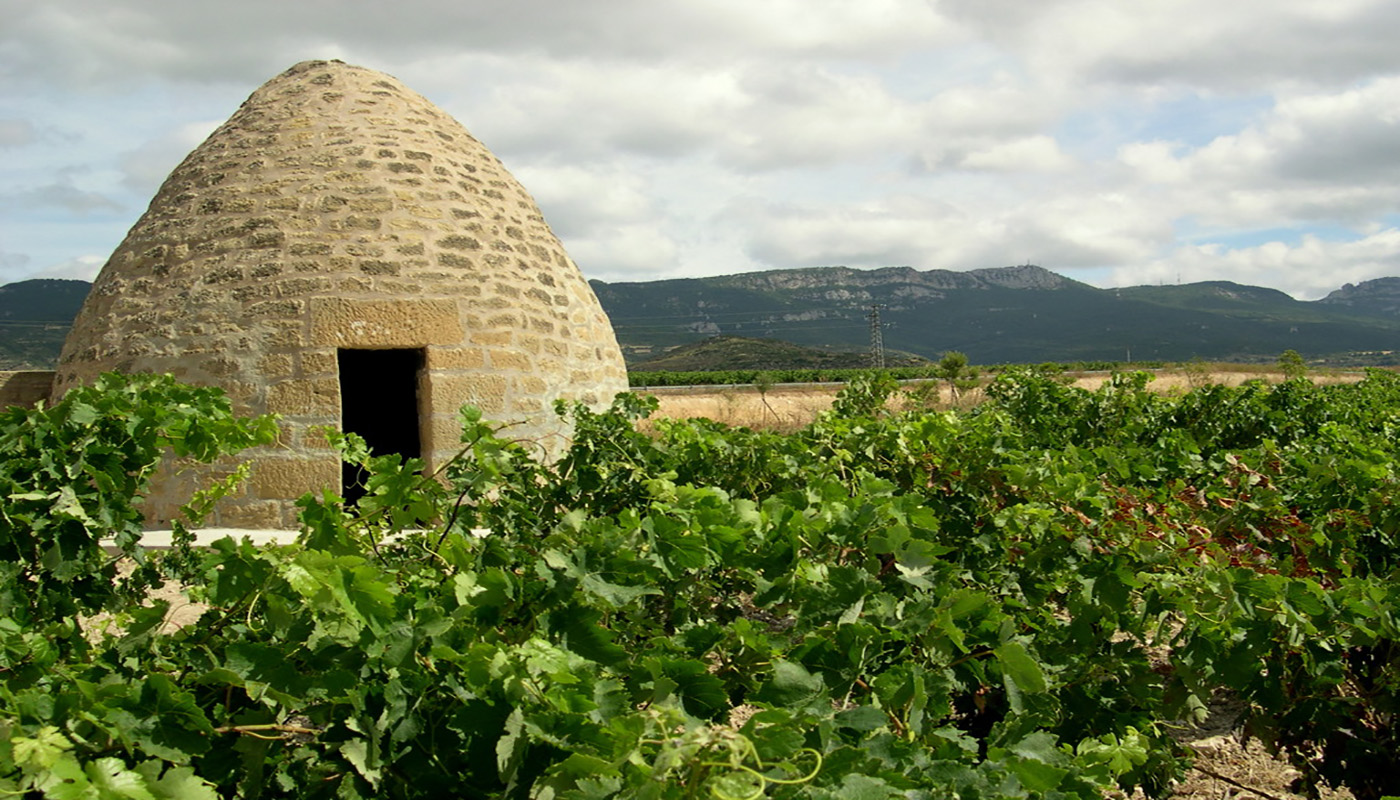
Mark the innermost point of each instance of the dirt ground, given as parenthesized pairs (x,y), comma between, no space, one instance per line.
(1227,768)
(182,612)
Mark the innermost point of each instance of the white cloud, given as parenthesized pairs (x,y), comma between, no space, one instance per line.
(146,167)
(568,111)
(606,217)
(577,198)
(748,116)
(807,115)
(83,268)
(12,263)
(1002,105)
(1083,231)
(624,252)
(1156,162)
(1351,136)
(1308,269)
(16,133)
(76,41)
(998,125)
(1030,154)
(666,138)
(1200,43)
(1324,157)
(888,232)
(64,195)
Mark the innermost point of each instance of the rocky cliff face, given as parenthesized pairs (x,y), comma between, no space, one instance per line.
(909,281)
(1023,277)
(1380,296)
(894,288)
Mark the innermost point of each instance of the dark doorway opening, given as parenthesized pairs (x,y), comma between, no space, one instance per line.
(379,401)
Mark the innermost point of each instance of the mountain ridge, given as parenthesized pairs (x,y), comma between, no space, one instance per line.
(1020,313)
(35,316)
(1380,296)
(1014,314)
(1020,277)
(739,353)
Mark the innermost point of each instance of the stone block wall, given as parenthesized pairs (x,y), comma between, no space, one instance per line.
(25,388)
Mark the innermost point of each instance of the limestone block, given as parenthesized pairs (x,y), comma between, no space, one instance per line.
(450,358)
(312,437)
(318,362)
(276,365)
(274,309)
(275,478)
(264,515)
(528,342)
(309,249)
(525,405)
(390,287)
(450,392)
(442,437)
(223,366)
(287,334)
(459,243)
(454,260)
(343,322)
(304,396)
(506,360)
(506,320)
(293,287)
(25,388)
(492,338)
(243,395)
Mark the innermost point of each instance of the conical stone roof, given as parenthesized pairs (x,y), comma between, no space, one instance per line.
(336,210)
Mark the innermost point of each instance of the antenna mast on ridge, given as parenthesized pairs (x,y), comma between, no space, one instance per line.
(877,338)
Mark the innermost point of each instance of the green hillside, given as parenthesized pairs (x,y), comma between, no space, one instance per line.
(1008,315)
(1005,315)
(739,353)
(35,317)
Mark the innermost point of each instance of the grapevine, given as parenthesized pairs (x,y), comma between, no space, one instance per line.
(1021,599)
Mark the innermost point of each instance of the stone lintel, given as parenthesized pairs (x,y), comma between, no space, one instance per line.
(349,323)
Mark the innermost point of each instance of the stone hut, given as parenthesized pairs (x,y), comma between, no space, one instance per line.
(342,253)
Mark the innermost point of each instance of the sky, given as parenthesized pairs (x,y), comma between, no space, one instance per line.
(1116,143)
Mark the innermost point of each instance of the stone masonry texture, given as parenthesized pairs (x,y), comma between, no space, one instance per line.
(338,209)
(25,388)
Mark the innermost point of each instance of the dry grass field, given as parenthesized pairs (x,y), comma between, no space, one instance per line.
(793,406)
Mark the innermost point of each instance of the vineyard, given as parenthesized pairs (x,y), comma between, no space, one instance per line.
(734,377)
(1021,600)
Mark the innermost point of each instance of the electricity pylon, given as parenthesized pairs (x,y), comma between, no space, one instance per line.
(877,338)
